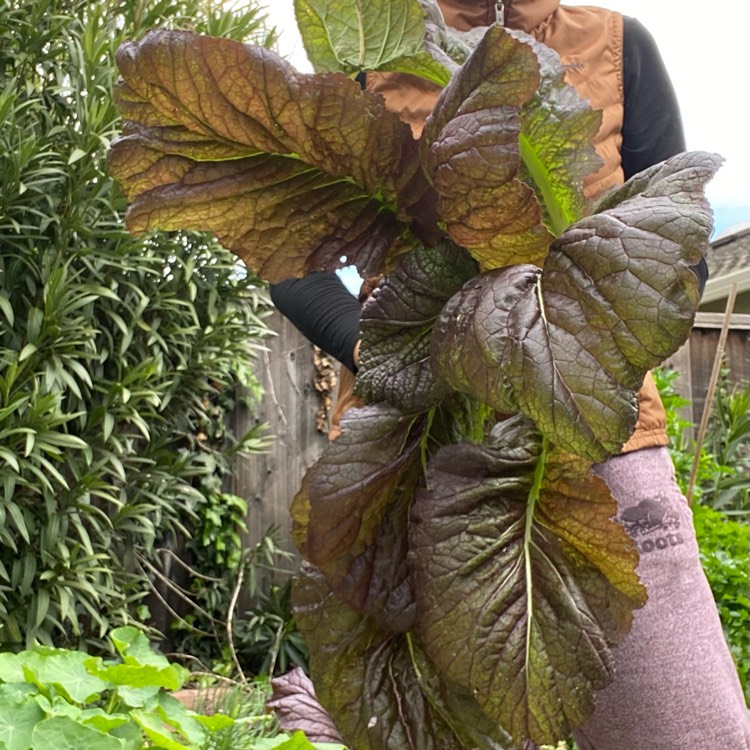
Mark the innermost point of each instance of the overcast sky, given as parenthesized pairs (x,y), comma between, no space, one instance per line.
(706,50)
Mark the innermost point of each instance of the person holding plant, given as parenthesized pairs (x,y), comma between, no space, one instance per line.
(675,685)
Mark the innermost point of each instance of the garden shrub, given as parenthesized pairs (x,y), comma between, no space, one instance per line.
(68,700)
(115,352)
(723,546)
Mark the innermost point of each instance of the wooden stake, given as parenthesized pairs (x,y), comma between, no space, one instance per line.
(711,390)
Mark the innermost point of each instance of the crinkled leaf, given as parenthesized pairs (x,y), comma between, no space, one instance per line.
(445,44)
(291,171)
(524,582)
(396,326)
(471,151)
(556,141)
(297,707)
(570,346)
(349,517)
(366,678)
(373,35)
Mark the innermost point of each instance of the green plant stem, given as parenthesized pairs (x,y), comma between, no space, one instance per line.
(559,217)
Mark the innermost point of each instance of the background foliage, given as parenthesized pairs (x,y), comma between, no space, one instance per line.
(720,502)
(117,355)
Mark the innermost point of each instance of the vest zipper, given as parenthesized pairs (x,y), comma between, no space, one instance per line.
(500,12)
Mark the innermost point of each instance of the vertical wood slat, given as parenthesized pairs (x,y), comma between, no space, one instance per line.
(270,480)
(694,360)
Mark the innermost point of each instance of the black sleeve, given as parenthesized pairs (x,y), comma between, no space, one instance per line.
(652,125)
(324,310)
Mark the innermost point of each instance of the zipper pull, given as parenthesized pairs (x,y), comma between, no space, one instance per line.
(500,12)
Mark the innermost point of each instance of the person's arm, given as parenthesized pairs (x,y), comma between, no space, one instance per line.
(323,309)
(652,125)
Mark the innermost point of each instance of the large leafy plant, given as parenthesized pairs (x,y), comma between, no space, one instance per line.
(56,699)
(467,581)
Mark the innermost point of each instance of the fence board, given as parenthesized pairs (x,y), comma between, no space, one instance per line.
(694,360)
(270,480)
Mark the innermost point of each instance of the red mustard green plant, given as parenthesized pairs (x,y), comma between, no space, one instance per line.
(466,580)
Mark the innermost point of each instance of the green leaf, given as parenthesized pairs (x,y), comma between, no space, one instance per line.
(135,648)
(137,676)
(373,35)
(11,669)
(75,155)
(64,670)
(153,727)
(63,733)
(7,309)
(174,713)
(297,741)
(17,722)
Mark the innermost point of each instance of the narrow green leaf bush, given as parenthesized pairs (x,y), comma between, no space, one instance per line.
(117,355)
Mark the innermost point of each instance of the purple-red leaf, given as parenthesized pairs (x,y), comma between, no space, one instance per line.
(297,708)
(349,517)
(523,580)
(471,150)
(570,346)
(230,138)
(396,325)
(378,686)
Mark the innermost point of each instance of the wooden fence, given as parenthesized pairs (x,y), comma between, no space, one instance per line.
(269,481)
(695,360)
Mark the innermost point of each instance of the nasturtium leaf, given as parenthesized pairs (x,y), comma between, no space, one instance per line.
(63,733)
(10,668)
(524,583)
(157,732)
(135,648)
(136,676)
(373,35)
(471,152)
(230,138)
(17,722)
(349,517)
(175,714)
(101,720)
(556,141)
(366,677)
(396,326)
(65,671)
(570,346)
(297,741)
